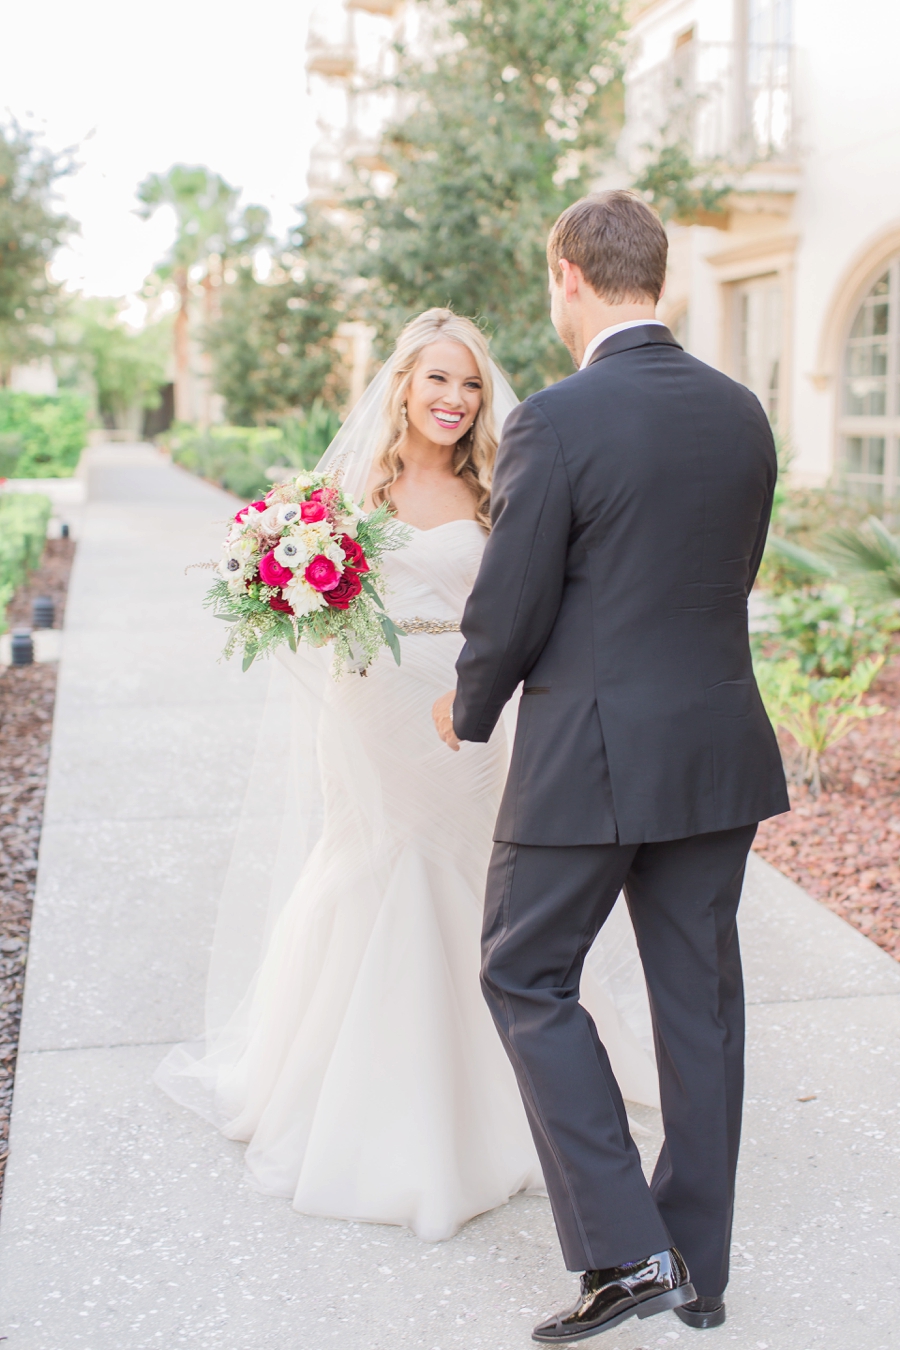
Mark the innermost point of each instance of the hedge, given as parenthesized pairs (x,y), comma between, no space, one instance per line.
(238,458)
(41,435)
(23,529)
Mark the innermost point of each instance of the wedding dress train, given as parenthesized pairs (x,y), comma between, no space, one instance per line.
(367,1078)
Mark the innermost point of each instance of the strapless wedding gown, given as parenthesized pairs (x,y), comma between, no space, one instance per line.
(371,1083)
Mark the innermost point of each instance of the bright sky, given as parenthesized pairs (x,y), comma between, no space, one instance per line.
(138,86)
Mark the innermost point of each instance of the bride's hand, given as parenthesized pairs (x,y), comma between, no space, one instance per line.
(442,712)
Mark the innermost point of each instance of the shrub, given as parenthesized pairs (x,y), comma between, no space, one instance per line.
(817,712)
(23,529)
(826,629)
(41,435)
(240,458)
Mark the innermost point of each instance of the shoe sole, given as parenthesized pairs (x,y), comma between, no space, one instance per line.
(701,1321)
(671,1299)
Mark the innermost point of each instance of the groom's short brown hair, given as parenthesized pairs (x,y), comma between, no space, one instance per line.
(617,241)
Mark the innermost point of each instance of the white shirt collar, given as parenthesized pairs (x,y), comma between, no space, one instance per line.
(608,332)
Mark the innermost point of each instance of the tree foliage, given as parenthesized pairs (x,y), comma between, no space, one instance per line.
(679,187)
(211,232)
(31,230)
(505,129)
(210,226)
(124,367)
(272,346)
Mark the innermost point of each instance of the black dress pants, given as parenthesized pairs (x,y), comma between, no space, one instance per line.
(544,908)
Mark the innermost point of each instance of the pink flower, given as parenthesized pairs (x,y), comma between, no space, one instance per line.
(271,572)
(257,506)
(312,511)
(322,574)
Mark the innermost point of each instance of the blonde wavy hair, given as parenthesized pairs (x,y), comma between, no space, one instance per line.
(475,452)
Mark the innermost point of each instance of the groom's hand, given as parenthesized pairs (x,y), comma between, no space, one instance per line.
(442,712)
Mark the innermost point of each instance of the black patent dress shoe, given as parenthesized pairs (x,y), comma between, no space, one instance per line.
(703,1312)
(610,1297)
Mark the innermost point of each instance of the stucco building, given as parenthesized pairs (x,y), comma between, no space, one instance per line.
(796,289)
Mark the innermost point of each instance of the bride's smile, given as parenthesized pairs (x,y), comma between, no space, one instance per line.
(444,395)
(437,466)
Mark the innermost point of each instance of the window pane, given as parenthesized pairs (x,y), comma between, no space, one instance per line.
(864,458)
(758,315)
(865,384)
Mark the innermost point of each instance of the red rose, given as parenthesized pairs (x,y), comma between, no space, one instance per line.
(271,571)
(347,589)
(279,602)
(354,554)
(322,574)
(312,511)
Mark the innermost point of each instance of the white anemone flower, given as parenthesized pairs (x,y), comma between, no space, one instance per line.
(303,598)
(292,552)
(288,512)
(232,569)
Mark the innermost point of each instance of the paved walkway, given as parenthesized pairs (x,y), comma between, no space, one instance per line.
(126,1222)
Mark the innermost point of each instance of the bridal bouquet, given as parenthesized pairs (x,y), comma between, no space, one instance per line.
(302,565)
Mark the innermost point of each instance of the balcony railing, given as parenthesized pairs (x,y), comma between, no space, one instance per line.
(335,61)
(727,101)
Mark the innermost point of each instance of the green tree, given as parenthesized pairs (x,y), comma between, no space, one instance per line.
(506,128)
(31,230)
(679,187)
(210,232)
(125,367)
(272,346)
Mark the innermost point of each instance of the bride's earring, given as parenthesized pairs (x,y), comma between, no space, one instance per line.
(403,417)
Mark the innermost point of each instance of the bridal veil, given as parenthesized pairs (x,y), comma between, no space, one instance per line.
(281,821)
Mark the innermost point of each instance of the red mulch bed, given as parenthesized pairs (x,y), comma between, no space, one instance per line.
(27,695)
(844,847)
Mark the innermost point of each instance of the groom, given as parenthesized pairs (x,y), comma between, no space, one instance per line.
(630,506)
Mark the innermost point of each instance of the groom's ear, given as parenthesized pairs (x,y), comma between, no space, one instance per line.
(572,278)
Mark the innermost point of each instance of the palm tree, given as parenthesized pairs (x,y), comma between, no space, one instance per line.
(869,555)
(209,232)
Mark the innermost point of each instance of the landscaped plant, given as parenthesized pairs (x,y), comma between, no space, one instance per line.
(23,529)
(869,555)
(826,629)
(817,712)
(241,459)
(41,435)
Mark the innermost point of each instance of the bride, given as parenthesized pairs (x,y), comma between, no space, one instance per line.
(361,1066)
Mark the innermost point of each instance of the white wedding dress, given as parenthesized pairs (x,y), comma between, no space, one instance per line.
(366,1076)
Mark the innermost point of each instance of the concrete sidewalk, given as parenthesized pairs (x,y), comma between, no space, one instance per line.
(127,1223)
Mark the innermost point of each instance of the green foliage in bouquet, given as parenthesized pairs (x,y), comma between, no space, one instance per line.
(310,576)
(817,712)
(41,435)
(23,529)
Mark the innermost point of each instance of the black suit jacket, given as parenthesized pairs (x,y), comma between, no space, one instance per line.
(630,507)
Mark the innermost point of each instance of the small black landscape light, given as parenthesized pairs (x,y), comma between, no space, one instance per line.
(22,647)
(64,531)
(42,612)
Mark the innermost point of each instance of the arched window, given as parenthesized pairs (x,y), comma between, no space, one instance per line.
(869,423)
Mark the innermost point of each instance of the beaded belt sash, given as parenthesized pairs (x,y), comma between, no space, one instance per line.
(427,625)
